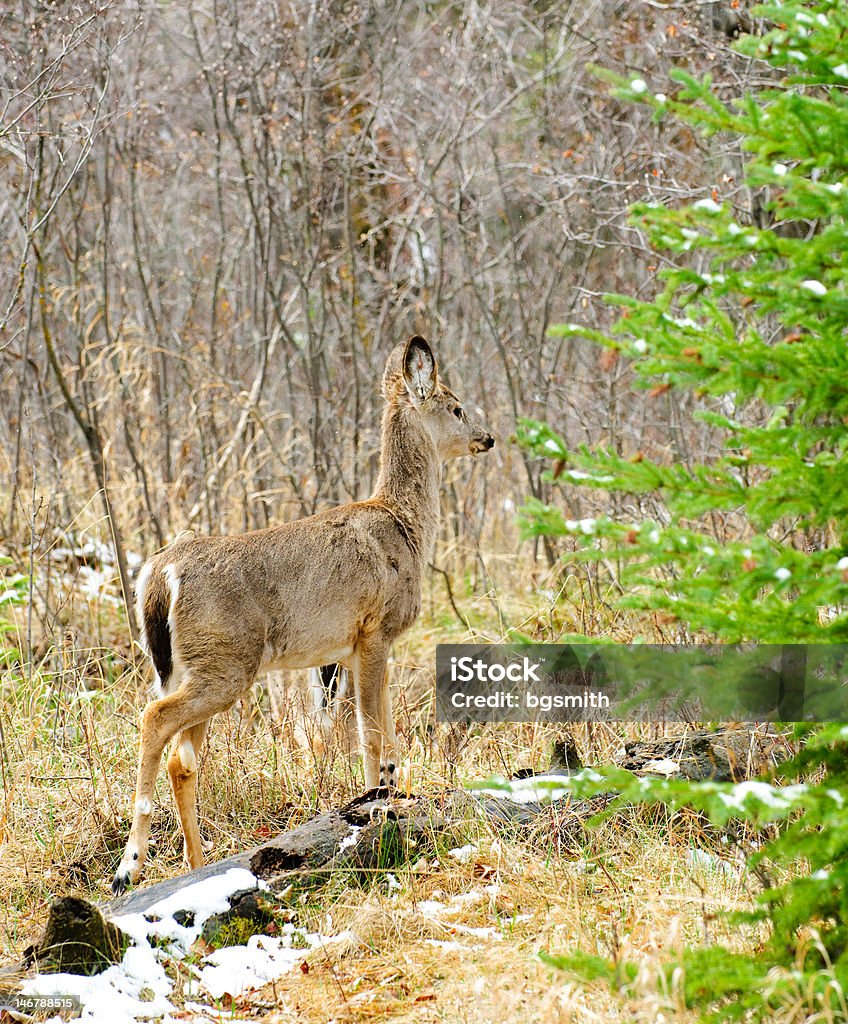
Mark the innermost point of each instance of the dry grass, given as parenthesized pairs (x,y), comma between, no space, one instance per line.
(476,961)
(69,738)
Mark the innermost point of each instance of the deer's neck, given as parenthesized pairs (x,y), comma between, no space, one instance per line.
(409,478)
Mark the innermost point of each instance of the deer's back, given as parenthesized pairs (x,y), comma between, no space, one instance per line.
(293,595)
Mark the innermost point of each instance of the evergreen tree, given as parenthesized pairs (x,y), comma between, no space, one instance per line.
(754,320)
(762,325)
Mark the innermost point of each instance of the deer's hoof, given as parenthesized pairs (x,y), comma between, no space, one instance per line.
(120,882)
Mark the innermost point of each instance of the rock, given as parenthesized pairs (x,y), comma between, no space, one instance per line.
(697,756)
(247,906)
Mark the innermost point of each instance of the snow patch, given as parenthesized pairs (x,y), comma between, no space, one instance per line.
(709,862)
(539,788)
(584,526)
(94,583)
(774,797)
(463,854)
(662,766)
(235,970)
(350,839)
(138,988)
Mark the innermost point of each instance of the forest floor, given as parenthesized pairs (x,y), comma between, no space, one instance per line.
(454,936)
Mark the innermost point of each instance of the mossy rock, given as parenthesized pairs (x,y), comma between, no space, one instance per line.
(248,915)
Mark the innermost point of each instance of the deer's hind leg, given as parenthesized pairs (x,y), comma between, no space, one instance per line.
(182,770)
(199,696)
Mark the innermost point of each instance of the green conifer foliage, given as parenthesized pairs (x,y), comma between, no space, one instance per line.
(762,332)
(754,320)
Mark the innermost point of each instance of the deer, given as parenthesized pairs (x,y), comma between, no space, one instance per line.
(325,705)
(329,709)
(339,586)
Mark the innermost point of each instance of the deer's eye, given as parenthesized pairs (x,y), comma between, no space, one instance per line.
(458,412)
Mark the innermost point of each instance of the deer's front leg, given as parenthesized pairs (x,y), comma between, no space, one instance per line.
(374,716)
(389,764)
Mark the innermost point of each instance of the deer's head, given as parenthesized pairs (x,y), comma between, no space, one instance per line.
(412,377)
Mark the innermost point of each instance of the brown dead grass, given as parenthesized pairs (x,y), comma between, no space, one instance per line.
(629,890)
(403,965)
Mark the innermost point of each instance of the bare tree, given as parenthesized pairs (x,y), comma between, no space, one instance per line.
(223,215)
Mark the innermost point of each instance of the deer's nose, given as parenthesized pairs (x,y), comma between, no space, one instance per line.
(488,442)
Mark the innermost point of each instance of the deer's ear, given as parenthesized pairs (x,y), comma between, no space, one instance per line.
(419,370)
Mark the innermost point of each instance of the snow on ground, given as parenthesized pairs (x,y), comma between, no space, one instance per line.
(350,838)
(534,789)
(463,854)
(92,569)
(135,989)
(705,861)
(238,969)
(139,989)
(444,912)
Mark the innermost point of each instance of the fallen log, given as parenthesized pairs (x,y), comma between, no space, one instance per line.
(367,833)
